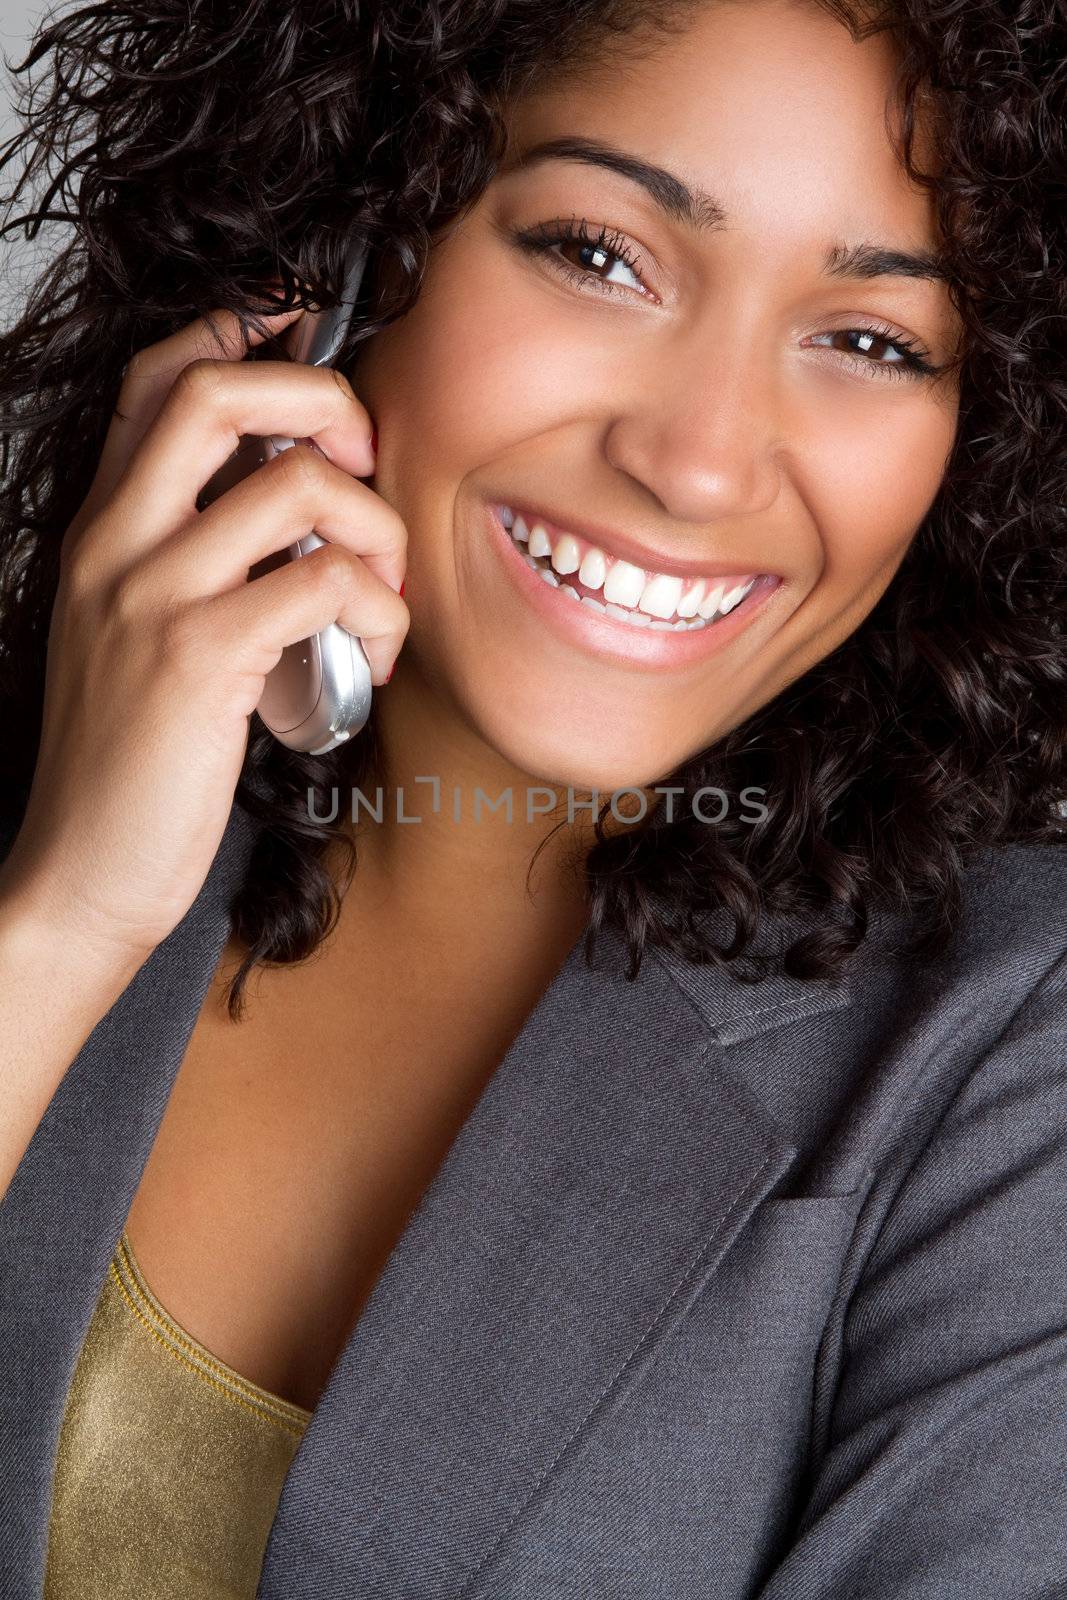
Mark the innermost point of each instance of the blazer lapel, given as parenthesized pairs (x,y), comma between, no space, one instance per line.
(599,1181)
(65,1208)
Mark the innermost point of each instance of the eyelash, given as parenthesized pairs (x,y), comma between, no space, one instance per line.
(544,238)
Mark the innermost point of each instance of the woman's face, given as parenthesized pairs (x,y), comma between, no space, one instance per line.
(721,388)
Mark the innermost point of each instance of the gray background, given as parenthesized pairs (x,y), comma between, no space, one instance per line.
(18,259)
(18,18)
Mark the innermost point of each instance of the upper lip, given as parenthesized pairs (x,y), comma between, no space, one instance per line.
(627,548)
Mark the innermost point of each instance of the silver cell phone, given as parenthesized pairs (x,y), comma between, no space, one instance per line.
(319,694)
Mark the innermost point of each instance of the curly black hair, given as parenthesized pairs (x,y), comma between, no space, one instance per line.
(202,151)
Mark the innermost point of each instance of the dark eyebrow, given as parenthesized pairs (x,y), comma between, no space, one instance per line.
(698,209)
(695,207)
(874,261)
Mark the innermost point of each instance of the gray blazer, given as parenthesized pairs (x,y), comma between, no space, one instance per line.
(721,1292)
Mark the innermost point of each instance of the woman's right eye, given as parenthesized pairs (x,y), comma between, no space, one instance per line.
(595,251)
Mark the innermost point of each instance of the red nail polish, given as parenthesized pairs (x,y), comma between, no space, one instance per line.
(402,589)
(392,669)
(374,440)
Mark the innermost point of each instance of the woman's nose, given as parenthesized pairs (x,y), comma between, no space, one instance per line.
(702,438)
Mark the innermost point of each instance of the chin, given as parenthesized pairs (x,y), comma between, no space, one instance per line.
(561,758)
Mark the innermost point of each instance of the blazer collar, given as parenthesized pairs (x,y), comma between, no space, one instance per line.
(594,1189)
(735,1011)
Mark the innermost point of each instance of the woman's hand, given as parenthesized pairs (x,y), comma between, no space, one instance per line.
(160,644)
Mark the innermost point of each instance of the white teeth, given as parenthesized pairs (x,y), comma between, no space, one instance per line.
(565,554)
(661,595)
(624,584)
(539,541)
(735,596)
(635,618)
(710,603)
(594,569)
(629,594)
(638,618)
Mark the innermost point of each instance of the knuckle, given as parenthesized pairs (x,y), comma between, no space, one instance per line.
(398,526)
(337,575)
(303,471)
(140,362)
(335,567)
(129,597)
(77,559)
(180,633)
(78,577)
(342,383)
(199,383)
(139,368)
(138,377)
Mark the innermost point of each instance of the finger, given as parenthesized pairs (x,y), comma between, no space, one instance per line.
(299,492)
(148,379)
(210,408)
(300,599)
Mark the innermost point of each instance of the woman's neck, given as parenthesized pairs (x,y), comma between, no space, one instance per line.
(447,830)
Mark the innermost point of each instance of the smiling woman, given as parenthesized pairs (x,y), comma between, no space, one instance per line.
(676,355)
(654,1186)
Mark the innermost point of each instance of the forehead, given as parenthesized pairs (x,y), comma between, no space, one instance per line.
(769,105)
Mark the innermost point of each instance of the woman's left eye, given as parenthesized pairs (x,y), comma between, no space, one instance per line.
(603,259)
(882,351)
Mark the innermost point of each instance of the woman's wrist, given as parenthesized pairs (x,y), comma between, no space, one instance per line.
(55,986)
(36,941)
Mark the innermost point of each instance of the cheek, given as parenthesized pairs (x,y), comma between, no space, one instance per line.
(478,369)
(870,474)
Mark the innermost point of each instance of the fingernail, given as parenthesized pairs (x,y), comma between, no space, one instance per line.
(374,440)
(392,669)
(402,589)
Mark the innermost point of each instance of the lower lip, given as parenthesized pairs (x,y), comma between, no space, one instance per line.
(606,635)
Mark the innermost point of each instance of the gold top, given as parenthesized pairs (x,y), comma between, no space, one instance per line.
(170,1464)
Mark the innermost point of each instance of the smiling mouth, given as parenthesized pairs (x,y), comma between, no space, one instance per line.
(640,596)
